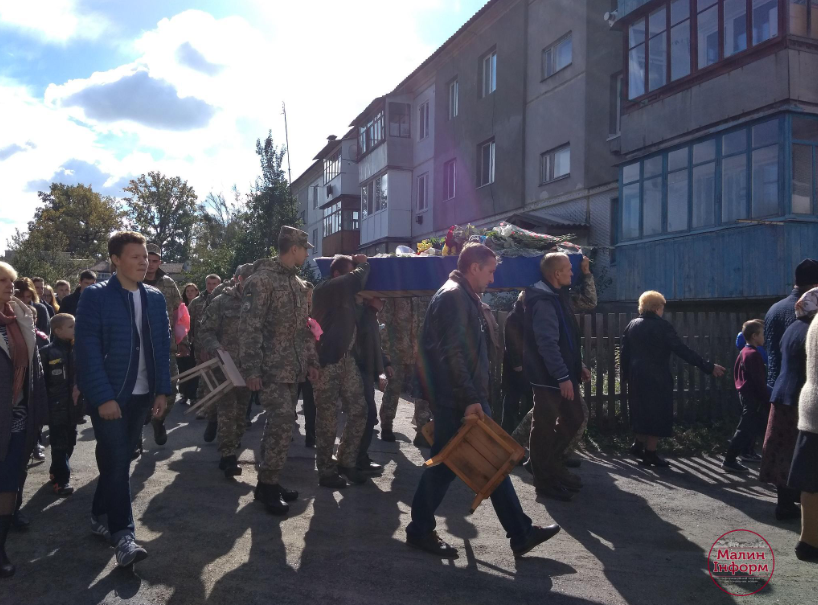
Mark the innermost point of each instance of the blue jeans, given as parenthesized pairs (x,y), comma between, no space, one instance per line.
(116,442)
(435,482)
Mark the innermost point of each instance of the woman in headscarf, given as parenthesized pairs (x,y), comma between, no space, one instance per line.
(782,426)
(23,406)
(804,471)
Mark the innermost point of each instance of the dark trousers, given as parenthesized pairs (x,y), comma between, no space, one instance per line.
(555,422)
(305,390)
(188,389)
(435,481)
(748,427)
(63,438)
(517,399)
(116,441)
(371,416)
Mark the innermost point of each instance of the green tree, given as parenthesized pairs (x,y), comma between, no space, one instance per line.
(164,210)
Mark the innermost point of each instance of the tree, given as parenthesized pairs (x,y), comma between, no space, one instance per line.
(164,210)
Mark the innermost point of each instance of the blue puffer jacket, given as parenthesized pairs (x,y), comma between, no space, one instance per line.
(107,360)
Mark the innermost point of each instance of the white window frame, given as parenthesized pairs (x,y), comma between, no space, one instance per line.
(449,181)
(423,121)
(485,179)
(488,71)
(454,98)
(423,192)
(550,55)
(548,164)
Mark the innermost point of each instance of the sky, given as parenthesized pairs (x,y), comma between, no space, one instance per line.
(100,91)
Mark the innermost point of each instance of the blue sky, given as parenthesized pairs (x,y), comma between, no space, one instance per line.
(99,91)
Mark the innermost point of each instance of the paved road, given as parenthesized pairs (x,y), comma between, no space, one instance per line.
(633,535)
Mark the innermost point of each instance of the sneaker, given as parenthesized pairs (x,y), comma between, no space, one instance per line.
(537,536)
(210,431)
(63,491)
(733,466)
(432,543)
(129,552)
(98,528)
(38,453)
(160,435)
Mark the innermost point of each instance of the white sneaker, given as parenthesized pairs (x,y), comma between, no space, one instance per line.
(129,552)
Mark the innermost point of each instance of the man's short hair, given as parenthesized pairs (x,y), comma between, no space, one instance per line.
(751,328)
(474,253)
(88,274)
(62,282)
(60,319)
(37,279)
(121,239)
(551,261)
(339,263)
(213,276)
(651,301)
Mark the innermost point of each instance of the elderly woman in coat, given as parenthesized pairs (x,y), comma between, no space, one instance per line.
(23,405)
(647,345)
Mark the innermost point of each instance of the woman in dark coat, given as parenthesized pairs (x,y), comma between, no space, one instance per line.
(782,426)
(23,405)
(647,344)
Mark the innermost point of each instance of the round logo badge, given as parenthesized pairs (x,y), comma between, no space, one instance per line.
(741,562)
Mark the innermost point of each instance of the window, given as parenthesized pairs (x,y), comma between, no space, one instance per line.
(338,219)
(371,134)
(615,117)
(423,192)
(485,163)
(632,205)
(804,165)
(804,18)
(764,140)
(449,179)
(332,167)
(660,44)
(315,196)
(423,121)
(555,164)
(374,196)
(399,120)
(556,57)
(488,74)
(734,176)
(454,98)
(314,241)
(614,230)
(677,189)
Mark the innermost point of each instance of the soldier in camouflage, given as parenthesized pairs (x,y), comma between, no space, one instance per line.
(219,329)
(196,308)
(334,309)
(211,414)
(276,352)
(157,278)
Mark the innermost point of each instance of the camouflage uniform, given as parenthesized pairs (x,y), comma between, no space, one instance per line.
(219,329)
(277,346)
(173,299)
(212,412)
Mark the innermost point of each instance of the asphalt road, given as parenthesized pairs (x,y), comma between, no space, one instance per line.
(633,535)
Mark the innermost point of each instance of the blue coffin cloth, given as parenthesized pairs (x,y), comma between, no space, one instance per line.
(428,273)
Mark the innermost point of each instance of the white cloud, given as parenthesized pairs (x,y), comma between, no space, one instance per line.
(54,21)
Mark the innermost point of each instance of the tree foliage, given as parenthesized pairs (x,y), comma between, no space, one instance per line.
(164,210)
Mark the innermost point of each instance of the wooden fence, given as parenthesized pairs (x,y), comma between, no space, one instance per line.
(697,397)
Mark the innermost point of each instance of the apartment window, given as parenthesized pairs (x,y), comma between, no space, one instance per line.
(660,48)
(332,167)
(614,240)
(315,196)
(314,241)
(804,18)
(715,181)
(488,74)
(615,117)
(556,57)
(423,192)
(337,219)
(555,164)
(374,196)
(454,98)
(804,165)
(423,121)
(399,120)
(485,163)
(371,134)
(449,179)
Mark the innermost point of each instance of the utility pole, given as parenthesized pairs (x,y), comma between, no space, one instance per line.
(287,141)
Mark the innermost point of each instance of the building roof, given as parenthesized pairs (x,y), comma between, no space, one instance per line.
(368,109)
(307,172)
(332,144)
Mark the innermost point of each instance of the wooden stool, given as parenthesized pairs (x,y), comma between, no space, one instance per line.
(482,454)
(225,363)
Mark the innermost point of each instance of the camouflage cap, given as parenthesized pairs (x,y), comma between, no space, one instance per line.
(245,270)
(294,237)
(154,249)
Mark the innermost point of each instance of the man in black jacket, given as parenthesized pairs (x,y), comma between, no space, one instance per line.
(69,304)
(335,311)
(454,354)
(553,366)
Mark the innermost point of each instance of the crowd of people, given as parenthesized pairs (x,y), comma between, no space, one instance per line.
(110,350)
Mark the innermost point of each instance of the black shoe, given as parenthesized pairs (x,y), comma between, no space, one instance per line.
(420,440)
(369,467)
(637,449)
(432,543)
(288,495)
(210,431)
(787,513)
(387,435)
(230,466)
(731,465)
(555,491)
(270,496)
(309,441)
(160,435)
(333,481)
(537,536)
(750,458)
(806,552)
(654,459)
(571,462)
(353,475)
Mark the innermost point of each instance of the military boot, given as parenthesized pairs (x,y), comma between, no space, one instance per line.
(210,431)
(387,434)
(270,495)
(230,466)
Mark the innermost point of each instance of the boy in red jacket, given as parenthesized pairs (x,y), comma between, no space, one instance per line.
(750,374)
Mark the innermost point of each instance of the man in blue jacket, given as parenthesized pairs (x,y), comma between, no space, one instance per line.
(122,347)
